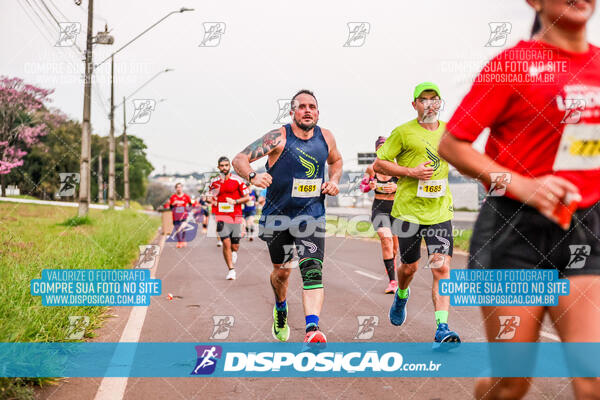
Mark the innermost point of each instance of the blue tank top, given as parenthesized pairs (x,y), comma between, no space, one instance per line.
(296,174)
(251,205)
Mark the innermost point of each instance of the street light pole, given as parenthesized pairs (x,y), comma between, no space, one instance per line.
(84,168)
(143,85)
(86,132)
(126,154)
(181,10)
(111,139)
(125,141)
(100,180)
(125,158)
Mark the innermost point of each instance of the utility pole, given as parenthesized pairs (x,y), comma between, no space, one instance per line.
(111,139)
(100,181)
(84,167)
(125,156)
(86,133)
(126,195)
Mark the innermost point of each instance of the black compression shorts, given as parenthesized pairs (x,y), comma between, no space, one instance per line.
(509,234)
(438,238)
(308,240)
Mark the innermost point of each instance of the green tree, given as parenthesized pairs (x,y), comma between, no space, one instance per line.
(139,168)
(60,150)
(56,152)
(99,150)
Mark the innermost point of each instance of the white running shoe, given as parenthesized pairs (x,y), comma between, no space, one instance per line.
(234,257)
(231,275)
(219,243)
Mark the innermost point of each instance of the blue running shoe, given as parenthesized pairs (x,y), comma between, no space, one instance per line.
(445,339)
(398,309)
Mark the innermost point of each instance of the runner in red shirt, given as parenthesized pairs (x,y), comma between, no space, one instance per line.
(541,103)
(229,193)
(178,203)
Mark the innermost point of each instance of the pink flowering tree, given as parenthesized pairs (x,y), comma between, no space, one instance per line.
(24,118)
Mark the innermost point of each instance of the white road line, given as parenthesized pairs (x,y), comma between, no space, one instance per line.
(377,278)
(550,336)
(55,203)
(358,271)
(112,388)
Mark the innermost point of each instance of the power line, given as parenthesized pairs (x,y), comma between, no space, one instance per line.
(43,32)
(49,29)
(47,20)
(97,91)
(50,12)
(43,24)
(56,21)
(40,30)
(96,15)
(99,96)
(58,9)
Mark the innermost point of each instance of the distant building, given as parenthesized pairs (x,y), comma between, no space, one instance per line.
(12,190)
(193,184)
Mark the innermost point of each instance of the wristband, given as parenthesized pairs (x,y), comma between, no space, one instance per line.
(364,185)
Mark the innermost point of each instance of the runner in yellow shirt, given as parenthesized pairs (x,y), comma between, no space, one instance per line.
(422,206)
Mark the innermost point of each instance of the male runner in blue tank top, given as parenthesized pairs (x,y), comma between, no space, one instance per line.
(294,211)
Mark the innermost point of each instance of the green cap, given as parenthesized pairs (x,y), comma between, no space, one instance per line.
(421,87)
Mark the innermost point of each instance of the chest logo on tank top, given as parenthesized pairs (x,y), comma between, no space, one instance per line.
(309,163)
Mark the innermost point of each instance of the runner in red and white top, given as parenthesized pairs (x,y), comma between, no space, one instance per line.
(229,193)
(541,102)
(178,204)
(542,105)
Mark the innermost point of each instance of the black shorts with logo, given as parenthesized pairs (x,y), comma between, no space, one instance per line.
(307,239)
(381,213)
(226,230)
(438,238)
(510,234)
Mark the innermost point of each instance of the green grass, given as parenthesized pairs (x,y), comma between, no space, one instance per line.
(16,388)
(36,237)
(462,239)
(465,209)
(134,205)
(344,227)
(23,196)
(76,221)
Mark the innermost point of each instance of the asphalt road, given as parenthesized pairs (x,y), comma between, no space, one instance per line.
(354,279)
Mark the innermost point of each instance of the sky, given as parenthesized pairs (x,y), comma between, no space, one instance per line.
(224,94)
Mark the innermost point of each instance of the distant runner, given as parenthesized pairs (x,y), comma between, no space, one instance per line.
(229,193)
(384,187)
(249,212)
(178,204)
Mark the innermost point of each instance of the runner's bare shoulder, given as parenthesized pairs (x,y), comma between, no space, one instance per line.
(329,138)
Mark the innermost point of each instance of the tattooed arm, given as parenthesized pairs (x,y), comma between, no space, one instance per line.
(271,144)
